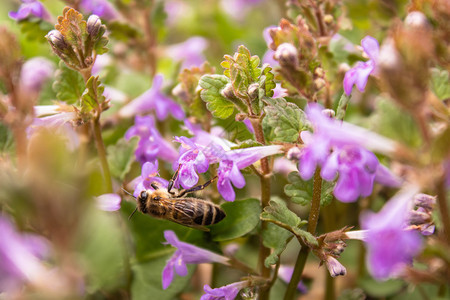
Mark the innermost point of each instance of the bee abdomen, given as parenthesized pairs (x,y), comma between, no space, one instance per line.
(212,214)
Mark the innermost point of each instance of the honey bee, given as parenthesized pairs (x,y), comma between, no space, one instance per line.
(187,211)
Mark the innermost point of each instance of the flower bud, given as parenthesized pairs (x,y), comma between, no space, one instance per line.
(293,153)
(228,92)
(179,92)
(253,91)
(417,20)
(319,83)
(328,19)
(335,267)
(425,201)
(319,72)
(329,113)
(56,39)
(287,55)
(93,25)
(240,117)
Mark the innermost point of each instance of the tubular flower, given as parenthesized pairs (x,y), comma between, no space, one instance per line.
(35,72)
(149,174)
(338,148)
(234,160)
(285,273)
(189,52)
(102,8)
(109,202)
(359,74)
(185,254)
(151,144)
(227,292)
(31,8)
(399,246)
(153,100)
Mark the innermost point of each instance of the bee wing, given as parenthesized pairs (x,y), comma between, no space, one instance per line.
(182,211)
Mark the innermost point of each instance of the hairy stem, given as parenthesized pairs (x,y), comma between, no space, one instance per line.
(265,198)
(96,129)
(443,208)
(304,251)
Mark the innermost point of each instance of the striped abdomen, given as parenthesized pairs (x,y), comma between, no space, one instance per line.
(187,211)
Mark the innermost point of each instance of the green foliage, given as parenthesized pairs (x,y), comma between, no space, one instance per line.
(122,31)
(242,217)
(69,84)
(121,156)
(389,116)
(286,119)
(266,82)
(35,29)
(301,191)
(147,280)
(276,238)
(441,146)
(278,213)
(342,106)
(440,83)
(92,97)
(217,104)
(380,289)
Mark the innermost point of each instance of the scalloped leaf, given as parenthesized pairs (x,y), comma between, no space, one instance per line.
(301,191)
(69,84)
(93,95)
(120,157)
(242,217)
(72,26)
(285,118)
(276,238)
(218,105)
(440,83)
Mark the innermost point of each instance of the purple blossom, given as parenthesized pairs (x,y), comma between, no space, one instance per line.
(359,74)
(268,56)
(228,172)
(151,144)
(334,266)
(399,246)
(31,8)
(227,292)
(20,257)
(153,99)
(34,73)
(192,160)
(237,9)
(59,122)
(102,8)
(338,149)
(109,202)
(285,274)
(185,254)
(356,167)
(189,51)
(149,174)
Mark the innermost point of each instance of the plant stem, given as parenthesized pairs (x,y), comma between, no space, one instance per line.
(96,129)
(443,208)
(312,224)
(265,198)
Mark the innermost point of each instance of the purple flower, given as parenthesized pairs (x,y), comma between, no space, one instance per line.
(109,202)
(356,167)
(268,56)
(31,8)
(227,292)
(228,172)
(185,254)
(34,73)
(390,246)
(149,174)
(338,149)
(151,144)
(359,74)
(334,266)
(285,273)
(189,51)
(192,160)
(20,257)
(102,8)
(237,9)
(153,99)
(59,122)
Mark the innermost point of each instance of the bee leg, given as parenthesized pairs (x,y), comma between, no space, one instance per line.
(172,180)
(196,188)
(154,186)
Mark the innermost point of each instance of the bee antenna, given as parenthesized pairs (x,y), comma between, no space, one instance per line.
(129,218)
(127,192)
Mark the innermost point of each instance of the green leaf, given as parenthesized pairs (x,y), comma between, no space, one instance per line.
(440,83)
(276,238)
(440,147)
(147,280)
(242,217)
(286,119)
(69,84)
(217,104)
(342,106)
(122,31)
(278,213)
(101,40)
(301,191)
(380,289)
(120,157)
(266,83)
(93,95)
(35,29)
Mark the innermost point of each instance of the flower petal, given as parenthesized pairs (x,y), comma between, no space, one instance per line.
(226,190)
